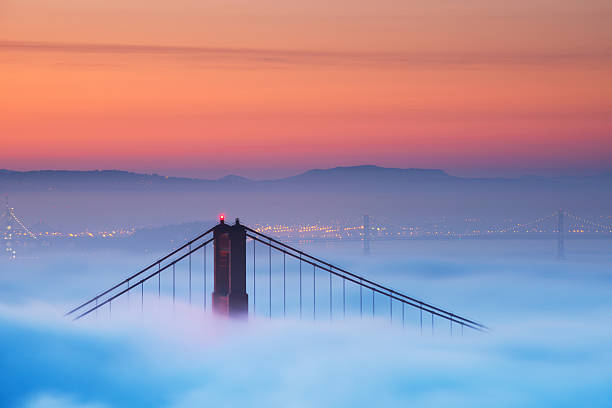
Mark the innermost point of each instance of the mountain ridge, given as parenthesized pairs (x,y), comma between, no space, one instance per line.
(341,177)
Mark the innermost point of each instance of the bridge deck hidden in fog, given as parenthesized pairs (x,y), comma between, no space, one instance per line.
(308,288)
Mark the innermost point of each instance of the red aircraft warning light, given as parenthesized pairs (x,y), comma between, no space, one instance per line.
(222,218)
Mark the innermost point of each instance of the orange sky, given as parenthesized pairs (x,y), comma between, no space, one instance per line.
(269,88)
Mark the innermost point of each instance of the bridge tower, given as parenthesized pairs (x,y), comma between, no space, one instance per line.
(8,230)
(229,297)
(366,234)
(560,235)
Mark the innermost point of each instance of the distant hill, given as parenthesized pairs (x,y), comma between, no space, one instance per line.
(338,178)
(89,180)
(368,173)
(73,200)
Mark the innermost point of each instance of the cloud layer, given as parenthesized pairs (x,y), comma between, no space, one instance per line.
(280,57)
(549,346)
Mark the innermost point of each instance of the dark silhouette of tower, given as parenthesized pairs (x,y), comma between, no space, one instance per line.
(366,234)
(229,297)
(560,235)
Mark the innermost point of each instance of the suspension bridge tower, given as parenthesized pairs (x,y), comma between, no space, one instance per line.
(8,231)
(13,230)
(366,234)
(560,235)
(229,297)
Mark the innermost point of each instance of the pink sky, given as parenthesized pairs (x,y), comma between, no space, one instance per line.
(271,88)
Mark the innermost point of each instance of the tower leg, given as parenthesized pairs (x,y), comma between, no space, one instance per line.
(560,240)
(229,297)
(366,234)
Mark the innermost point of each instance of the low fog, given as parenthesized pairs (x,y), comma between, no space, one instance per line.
(548,344)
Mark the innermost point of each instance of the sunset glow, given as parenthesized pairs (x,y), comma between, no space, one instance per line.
(271,89)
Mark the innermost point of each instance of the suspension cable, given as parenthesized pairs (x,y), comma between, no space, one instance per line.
(143,280)
(434,311)
(140,272)
(352,275)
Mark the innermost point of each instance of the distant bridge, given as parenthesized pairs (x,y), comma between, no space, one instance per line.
(559,226)
(307,288)
(13,229)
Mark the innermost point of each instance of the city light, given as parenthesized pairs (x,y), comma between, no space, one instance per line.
(15,233)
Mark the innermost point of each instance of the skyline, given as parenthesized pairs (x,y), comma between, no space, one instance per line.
(268,90)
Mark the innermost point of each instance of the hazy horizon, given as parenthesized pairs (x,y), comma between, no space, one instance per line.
(272,174)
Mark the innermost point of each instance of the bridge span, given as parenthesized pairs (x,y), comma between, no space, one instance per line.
(303,286)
